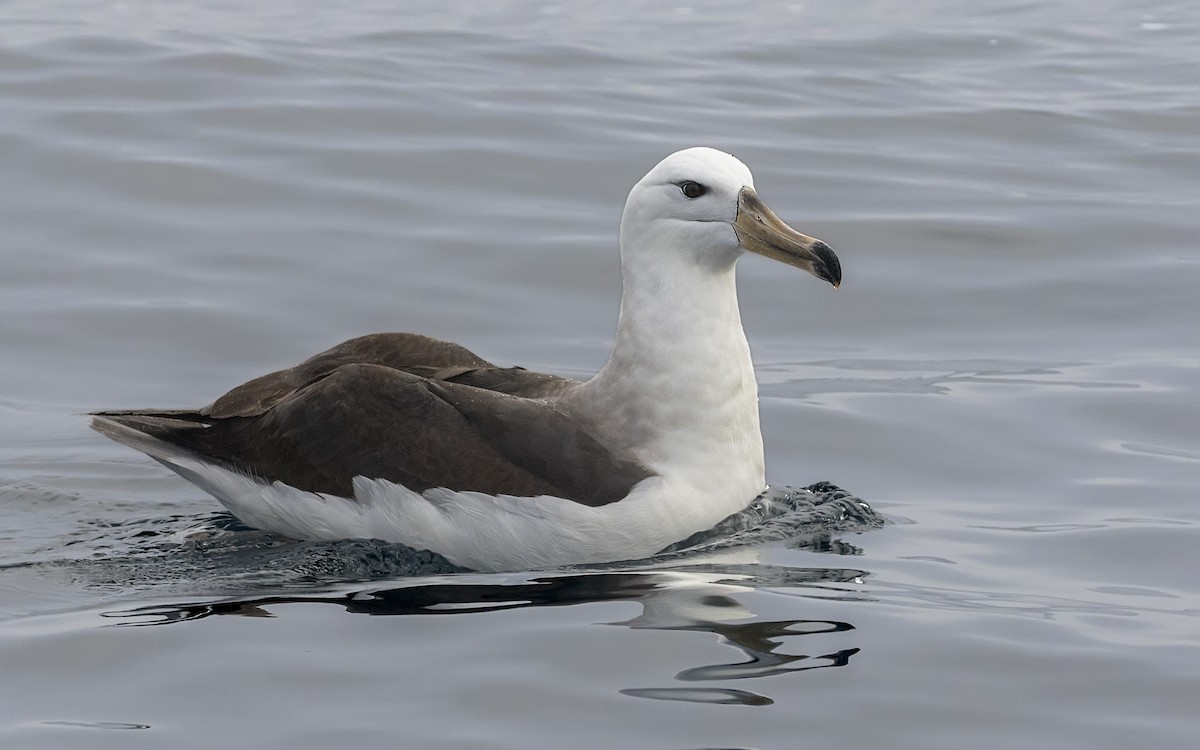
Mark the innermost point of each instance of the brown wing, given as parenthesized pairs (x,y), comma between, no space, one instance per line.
(320,424)
(407,352)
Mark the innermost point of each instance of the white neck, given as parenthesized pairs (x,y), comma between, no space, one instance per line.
(679,389)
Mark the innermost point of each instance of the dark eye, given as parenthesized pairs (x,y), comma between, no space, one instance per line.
(692,189)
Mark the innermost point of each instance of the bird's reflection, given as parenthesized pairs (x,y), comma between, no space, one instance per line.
(700,599)
(699,605)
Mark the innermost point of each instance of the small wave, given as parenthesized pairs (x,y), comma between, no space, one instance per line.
(787,513)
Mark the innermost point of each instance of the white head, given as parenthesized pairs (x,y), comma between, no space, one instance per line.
(700,204)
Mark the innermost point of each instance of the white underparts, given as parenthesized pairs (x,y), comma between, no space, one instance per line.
(471,529)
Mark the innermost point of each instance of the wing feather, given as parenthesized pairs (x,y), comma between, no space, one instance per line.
(406,408)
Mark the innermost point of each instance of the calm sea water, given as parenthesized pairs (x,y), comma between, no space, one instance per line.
(197,193)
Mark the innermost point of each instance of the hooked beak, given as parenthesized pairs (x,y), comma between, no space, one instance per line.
(760,231)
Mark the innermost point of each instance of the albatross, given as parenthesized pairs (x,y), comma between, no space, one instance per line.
(408,439)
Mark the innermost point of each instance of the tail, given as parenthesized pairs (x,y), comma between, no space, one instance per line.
(166,436)
(155,433)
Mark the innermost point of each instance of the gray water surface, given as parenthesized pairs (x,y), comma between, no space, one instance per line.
(197,193)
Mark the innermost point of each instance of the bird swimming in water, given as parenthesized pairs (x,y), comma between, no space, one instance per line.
(405,438)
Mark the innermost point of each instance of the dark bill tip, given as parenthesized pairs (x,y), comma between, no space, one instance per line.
(827,267)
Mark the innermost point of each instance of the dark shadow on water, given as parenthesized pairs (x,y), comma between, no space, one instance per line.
(666,596)
(704,599)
